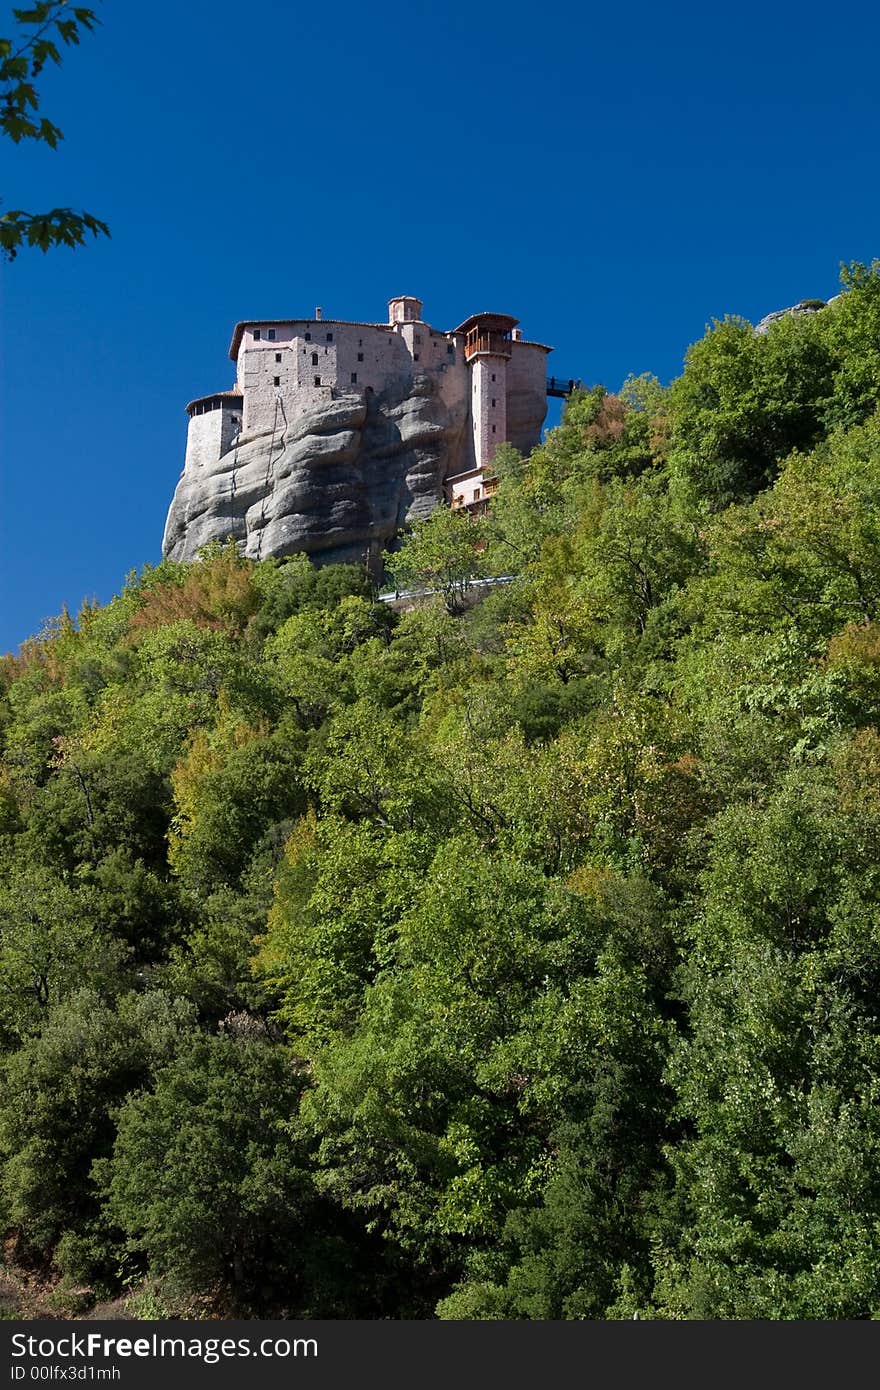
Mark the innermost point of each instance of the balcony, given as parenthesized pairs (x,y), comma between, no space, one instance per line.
(486,341)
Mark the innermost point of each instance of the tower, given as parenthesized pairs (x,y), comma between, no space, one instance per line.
(487,351)
(214,423)
(404,309)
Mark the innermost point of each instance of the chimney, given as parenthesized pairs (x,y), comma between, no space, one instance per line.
(318,313)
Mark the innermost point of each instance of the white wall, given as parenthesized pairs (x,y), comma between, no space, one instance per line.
(488,405)
(209,436)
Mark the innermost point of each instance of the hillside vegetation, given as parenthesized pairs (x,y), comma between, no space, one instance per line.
(519,960)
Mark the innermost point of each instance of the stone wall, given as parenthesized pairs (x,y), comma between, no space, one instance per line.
(210,435)
(526,395)
(350,357)
(488,405)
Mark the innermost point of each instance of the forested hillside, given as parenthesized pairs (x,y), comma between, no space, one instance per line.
(517,959)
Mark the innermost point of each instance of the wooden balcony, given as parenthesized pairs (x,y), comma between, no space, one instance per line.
(496,343)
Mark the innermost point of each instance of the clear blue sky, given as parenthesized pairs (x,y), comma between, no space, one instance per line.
(614,175)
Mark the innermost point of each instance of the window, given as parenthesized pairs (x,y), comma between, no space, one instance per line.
(360,344)
(308,337)
(276,381)
(493,429)
(354,378)
(419,339)
(314,359)
(494,402)
(493,376)
(270,334)
(256,335)
(278,357)
(360,357)
(476,494)
(329,337)
(415,357)
(317,381)
(450,348)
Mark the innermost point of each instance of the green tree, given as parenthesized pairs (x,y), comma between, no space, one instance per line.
(778,1199)
(22,60)
(56,1102)
(745,401)
(206,1178)
(442,554)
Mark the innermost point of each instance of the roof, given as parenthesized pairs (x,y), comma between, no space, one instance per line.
(238,330)
(212,396)
(477,472)
(502,323)
(524,342)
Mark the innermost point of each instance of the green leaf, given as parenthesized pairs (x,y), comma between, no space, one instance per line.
(60,227)
(50,133)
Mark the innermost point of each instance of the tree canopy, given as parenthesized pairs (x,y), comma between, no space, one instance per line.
(511,959)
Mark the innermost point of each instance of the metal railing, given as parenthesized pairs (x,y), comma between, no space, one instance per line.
(562,386)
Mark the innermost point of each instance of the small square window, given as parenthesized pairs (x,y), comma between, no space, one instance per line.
(317,381)
(360,357)
(271,335)
(354,378)
(256,335)
(276,381)
(278,357)
(308,337)
(329,337)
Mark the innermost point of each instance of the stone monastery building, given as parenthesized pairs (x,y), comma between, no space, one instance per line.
(484,372)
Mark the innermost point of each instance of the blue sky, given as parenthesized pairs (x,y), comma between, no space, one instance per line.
(615,176)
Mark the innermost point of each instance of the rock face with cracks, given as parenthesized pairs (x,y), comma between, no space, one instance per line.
(336,483)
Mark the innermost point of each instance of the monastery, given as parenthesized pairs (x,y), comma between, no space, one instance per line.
(288,369)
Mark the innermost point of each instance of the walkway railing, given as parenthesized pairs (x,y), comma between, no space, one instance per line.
(562,386)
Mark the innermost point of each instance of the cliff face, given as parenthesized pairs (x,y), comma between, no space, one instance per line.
(337,483)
